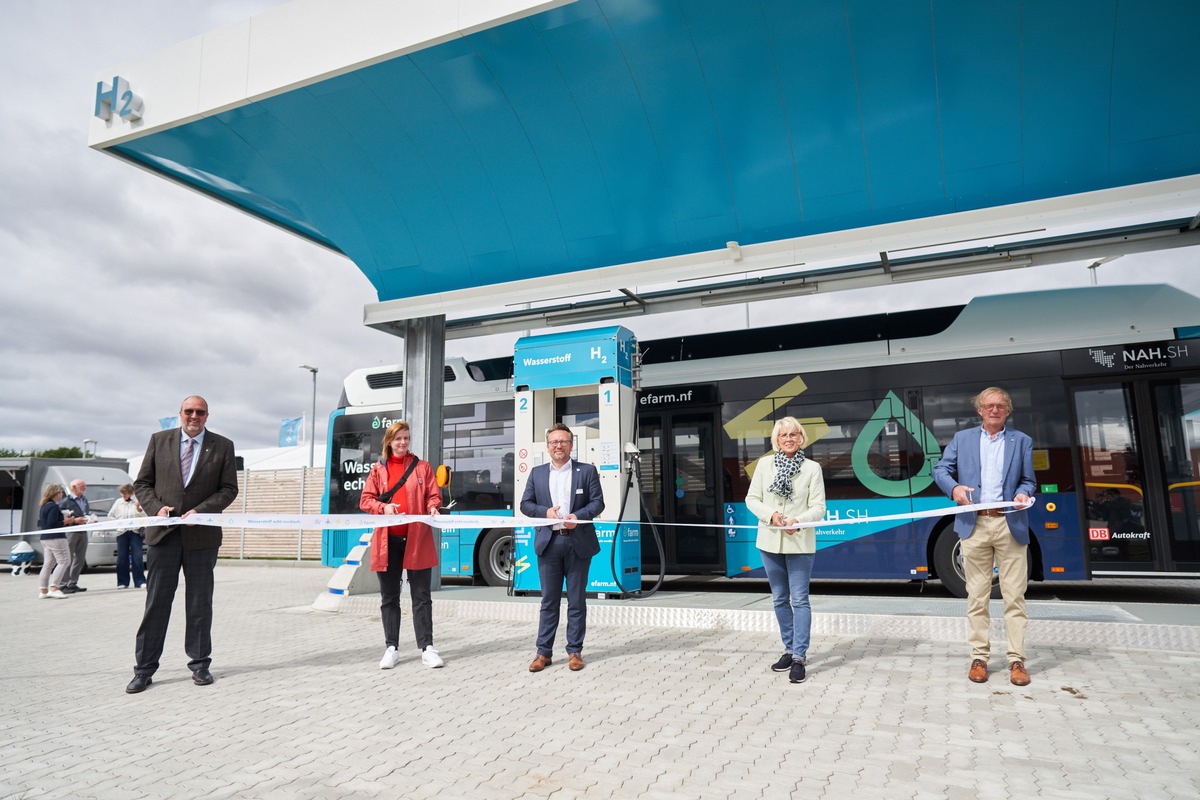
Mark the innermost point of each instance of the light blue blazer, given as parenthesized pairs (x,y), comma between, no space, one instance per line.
(959,464)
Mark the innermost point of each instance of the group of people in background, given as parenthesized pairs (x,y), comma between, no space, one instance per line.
(65,552)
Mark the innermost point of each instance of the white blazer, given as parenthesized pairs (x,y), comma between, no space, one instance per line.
(806,505)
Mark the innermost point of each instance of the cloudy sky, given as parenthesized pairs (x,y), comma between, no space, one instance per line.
(122,293)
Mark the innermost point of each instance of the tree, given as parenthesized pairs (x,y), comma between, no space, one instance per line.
(60,452)
(54,452)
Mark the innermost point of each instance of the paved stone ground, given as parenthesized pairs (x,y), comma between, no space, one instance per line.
(301,710)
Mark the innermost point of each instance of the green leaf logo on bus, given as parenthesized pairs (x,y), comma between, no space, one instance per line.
(891,408)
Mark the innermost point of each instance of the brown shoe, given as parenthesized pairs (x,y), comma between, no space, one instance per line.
(978,673)
(1017,674)
(575,663)
(540,663)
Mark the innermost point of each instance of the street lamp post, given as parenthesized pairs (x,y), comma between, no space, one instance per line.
(312,433)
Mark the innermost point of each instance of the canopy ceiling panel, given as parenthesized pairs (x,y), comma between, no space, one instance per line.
(616,131)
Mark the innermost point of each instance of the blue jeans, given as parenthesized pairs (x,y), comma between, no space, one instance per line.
(129,550)
(789,575)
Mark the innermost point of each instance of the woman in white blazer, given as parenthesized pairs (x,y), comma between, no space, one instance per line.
(788,488)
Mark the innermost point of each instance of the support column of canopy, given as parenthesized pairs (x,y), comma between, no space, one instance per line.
(424,396)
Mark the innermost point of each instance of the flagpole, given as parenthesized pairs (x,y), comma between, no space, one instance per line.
(312,437)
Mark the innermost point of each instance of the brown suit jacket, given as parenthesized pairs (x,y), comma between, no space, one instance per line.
(213,486)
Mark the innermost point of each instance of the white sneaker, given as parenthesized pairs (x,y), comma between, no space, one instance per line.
(430,658)
(53,594)
(390,659)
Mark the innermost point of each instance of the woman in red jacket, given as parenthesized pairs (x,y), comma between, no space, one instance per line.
(403,484)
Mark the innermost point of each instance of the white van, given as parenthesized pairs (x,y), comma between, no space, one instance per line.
(22,481)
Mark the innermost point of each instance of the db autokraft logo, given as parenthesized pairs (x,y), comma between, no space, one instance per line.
(1098,534)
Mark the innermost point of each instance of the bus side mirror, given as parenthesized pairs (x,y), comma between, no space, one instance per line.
(443,476)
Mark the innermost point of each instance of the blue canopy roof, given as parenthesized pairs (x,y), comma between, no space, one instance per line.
(613,131)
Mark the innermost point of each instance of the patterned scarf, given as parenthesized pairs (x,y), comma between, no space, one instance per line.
(787,468)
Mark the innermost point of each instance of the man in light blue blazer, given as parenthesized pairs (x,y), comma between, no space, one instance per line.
(563,490)
(992,464)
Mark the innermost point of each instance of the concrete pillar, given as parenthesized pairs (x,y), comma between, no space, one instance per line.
(424,394)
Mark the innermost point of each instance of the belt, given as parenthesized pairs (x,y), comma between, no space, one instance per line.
(990,512)
(563,532)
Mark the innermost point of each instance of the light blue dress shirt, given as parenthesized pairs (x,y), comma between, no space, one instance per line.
(991,463)
(560,490)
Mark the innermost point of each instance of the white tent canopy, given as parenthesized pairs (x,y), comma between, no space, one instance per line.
(265,458)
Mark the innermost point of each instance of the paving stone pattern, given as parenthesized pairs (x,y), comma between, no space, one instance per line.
(301,710)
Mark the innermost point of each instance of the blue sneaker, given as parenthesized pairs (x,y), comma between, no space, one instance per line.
(797,673)
(783,664)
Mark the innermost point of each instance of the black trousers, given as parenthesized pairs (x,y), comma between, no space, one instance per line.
(165,560)
(419,581)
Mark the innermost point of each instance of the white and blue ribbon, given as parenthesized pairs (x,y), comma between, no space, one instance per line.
(367,521)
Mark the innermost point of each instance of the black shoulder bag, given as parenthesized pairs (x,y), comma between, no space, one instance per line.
(387,496)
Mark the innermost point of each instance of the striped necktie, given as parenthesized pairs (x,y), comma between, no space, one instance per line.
(185,461)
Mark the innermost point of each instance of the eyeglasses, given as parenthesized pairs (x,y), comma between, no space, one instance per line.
(994,407)
(194,412)
(558,442)
(789,436)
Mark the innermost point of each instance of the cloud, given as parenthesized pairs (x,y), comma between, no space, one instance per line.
(124,293)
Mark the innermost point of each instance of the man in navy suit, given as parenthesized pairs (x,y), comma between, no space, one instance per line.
(992,464)
(563,490)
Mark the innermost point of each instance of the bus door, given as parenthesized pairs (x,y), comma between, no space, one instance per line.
(681,482)
(1138,448)
(1176,407)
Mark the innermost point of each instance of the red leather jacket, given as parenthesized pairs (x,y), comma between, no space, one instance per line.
(423,496)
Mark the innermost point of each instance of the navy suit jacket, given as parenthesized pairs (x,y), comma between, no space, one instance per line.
(959,464)
(587,502)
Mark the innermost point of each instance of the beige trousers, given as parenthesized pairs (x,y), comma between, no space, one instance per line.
(991,542)
(56,559)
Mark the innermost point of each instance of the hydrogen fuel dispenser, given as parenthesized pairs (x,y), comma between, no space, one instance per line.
(584,379)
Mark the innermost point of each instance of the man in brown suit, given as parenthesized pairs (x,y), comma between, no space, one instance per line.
(187,470)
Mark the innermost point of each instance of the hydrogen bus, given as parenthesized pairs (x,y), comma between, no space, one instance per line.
(1105,379)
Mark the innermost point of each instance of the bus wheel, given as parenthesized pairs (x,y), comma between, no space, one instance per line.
(947,560)
(496,557)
